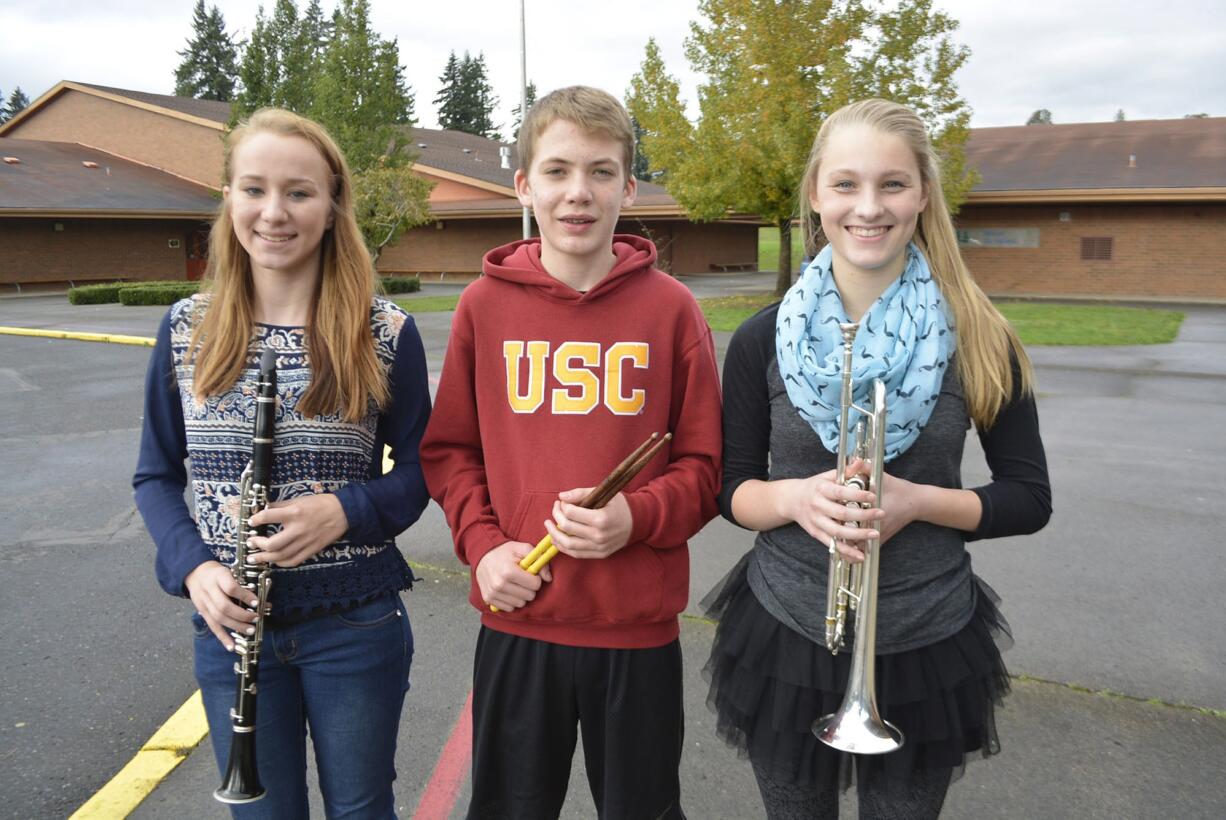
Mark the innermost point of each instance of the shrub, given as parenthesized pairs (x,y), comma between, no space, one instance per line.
(400,284)
(157,293)
(100,294)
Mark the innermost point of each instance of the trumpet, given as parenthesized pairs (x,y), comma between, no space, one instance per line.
(857,726)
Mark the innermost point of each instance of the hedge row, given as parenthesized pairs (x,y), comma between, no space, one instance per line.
(162,293)
(169,292)
(132,293)
(400,284)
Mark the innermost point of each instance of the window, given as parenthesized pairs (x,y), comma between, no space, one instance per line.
(1096,247)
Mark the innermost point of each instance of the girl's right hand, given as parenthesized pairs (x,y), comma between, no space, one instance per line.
(213,591)
(819,505)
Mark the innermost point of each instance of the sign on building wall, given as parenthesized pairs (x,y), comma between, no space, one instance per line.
(998,237)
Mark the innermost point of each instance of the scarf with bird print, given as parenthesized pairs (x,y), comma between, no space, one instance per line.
(905,339)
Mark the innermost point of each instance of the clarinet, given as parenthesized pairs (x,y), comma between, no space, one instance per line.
(241,782)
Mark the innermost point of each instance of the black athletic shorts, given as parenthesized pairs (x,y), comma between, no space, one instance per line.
(531,698)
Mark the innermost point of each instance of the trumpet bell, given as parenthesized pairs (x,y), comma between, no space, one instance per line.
(857,728)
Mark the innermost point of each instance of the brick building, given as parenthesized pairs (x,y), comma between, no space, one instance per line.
(1132,210)
(145,216)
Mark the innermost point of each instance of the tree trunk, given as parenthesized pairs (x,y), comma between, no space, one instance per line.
(783,280)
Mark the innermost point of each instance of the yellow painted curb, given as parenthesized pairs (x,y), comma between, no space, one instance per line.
(81,336)
(169,746)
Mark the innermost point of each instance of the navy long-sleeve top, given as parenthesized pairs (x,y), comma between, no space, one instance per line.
(320,454)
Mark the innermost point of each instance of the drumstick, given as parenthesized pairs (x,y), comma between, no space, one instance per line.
(615,482)
(590,501)
(610,489)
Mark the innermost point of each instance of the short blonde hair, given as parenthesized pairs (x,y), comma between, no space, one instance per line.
(986,341)
(593,110)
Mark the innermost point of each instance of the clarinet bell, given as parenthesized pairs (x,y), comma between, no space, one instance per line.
(242,781)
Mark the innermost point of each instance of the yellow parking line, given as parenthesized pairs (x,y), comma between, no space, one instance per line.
(169,746)
(113,338)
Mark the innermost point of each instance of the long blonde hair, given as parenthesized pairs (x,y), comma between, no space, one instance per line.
(345,372)
(985,337)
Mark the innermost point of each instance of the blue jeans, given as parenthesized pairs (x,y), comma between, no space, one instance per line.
(343,676)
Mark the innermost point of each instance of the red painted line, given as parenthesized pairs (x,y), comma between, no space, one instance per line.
(438,800)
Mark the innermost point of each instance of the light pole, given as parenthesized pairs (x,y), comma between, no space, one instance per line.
(523,99)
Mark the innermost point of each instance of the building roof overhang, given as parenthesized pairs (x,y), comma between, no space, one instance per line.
(102,93)
(83,213)
(1096,195)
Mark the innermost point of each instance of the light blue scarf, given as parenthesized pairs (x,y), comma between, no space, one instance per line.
(905,339)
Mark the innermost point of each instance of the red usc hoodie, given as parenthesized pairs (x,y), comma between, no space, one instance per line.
(545,389)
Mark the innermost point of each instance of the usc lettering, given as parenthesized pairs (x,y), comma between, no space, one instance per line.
(575,368)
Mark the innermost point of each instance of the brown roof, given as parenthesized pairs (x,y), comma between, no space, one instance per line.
(459,153)
(1165,154)
(51,179)
(648,205)
(205,109)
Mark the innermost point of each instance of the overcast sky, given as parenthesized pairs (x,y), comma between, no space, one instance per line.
(1082,60)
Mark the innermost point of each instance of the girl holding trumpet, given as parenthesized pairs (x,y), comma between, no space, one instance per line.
(872,191)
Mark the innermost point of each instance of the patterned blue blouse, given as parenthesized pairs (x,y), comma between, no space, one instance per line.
(321,454)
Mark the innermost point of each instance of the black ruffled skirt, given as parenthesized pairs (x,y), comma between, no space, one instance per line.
(768,684)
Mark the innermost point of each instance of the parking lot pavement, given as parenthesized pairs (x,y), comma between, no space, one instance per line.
(1120,710)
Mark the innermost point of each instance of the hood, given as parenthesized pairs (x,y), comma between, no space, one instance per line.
(520,262)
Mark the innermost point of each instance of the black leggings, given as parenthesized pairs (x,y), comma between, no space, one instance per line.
(919,799)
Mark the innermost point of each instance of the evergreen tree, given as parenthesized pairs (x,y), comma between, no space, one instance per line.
(209,67)
(1040,117)
(519,115)
(1120,116)
(302,58)
(475,81)
(259,70)
(17,103)
(361,94)
(466,100)
(448,100)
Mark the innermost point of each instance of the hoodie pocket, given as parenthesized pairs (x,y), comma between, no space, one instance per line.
(627,587)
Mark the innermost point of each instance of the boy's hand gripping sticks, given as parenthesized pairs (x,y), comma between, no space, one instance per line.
(613,484)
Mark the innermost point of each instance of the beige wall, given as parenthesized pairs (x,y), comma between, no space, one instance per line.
(1160,251)
(183,148)
(92,250)
(446,190)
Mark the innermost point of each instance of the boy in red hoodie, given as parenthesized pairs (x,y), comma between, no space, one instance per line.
(568,353)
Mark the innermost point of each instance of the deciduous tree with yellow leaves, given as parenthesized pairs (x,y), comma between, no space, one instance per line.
(773,70)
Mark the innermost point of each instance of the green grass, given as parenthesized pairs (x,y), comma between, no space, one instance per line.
(429,304)
(1047,324)
(768,248)
(1036,323)
(727,312)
